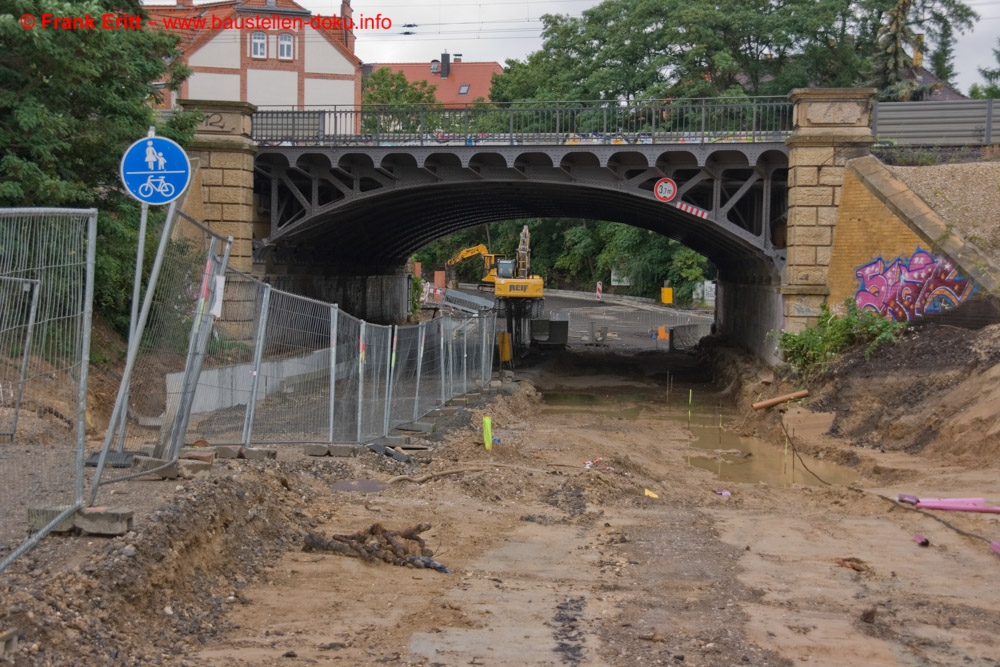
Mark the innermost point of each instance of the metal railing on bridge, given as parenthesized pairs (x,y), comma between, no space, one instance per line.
(694,121)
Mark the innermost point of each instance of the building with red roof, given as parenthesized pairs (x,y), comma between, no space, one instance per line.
(270,53)
(457,82)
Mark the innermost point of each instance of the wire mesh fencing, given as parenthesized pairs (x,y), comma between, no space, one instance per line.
(282,369)
(622,326)
(156,395)
(46,291)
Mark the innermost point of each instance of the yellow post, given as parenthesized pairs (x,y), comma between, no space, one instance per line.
(488,433)
(503,340)
(666,295)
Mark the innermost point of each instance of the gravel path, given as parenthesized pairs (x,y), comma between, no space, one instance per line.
(966,196)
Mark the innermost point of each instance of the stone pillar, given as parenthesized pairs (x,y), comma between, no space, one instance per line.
(225,155)
(831,126)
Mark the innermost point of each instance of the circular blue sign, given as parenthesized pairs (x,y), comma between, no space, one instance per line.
(155,170)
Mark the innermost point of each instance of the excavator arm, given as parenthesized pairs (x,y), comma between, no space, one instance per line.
(467,253)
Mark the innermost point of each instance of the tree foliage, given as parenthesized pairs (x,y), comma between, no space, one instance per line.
(576,254)
(625,50)
(387,87)
(71,102)
(991,89)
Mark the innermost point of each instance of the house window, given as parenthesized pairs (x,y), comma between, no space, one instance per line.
(259,45)
(463,89)
(285,46)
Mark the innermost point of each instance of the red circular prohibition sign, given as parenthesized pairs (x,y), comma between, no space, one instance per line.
(665,189)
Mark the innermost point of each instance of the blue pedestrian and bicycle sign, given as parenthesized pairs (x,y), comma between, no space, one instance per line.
(155,170)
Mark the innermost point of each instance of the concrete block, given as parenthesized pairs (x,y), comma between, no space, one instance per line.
(394,440)
(39,517)
(206,454)
(473,397)
(189,469)
(104,520)
(148,463)
(457,401)
(228,451)
(8,643)
(344,451)
(418,427)
(258,453)
(146,449)
(316,450)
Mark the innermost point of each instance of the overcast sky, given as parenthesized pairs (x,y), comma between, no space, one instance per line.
(495,30)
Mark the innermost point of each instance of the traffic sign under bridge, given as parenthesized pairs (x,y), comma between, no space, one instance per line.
(155,170)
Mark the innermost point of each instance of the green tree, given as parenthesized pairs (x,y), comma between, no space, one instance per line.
(991,89)
(387,87)
(71,102)
(943,59)
(390,103)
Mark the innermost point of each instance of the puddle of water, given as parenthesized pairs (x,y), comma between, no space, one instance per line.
(749,460)
(570,399)
(736,458)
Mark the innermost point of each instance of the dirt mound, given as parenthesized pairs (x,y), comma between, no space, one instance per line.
(935,393)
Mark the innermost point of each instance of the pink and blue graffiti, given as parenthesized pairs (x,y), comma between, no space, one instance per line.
(905,290)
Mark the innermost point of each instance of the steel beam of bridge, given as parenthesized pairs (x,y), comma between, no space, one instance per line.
(336,193)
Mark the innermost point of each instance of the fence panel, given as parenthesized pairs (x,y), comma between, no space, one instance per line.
(293,391)
(46,293)
(406,360)
(374,380)
(159,384)
(348,363)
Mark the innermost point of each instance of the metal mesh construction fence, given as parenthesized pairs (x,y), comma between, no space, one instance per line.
(46,292)
(223,357)
(175,326)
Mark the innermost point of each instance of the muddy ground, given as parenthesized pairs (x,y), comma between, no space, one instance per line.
(588,535)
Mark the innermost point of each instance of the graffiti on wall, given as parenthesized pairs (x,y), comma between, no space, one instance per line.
(907,289)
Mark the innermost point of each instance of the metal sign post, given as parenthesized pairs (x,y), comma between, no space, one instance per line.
(154,170)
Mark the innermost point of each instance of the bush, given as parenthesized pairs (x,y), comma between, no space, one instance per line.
(810,352)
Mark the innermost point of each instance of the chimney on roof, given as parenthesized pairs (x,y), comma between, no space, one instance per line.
(918,50)
(445,65)
(458,58)
(185,3)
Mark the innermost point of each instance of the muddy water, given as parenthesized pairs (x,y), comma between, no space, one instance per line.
(732,457)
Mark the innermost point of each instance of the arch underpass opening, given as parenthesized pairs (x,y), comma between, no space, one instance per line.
(377,234)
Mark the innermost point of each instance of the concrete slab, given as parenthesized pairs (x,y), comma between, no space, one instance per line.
(457,401)
(227,451)
(316,450)
(417,427)
(163,470)
(104,520)
(345,451)
(39,517)
(394,440)
(258,453)
(206,454)
(473,397)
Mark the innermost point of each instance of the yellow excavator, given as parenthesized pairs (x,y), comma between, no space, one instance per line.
(490,261)
(519,294)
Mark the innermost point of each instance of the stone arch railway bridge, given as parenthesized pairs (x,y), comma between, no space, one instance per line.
(332,203)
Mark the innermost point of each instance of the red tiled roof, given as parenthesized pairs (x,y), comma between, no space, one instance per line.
(477,76)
